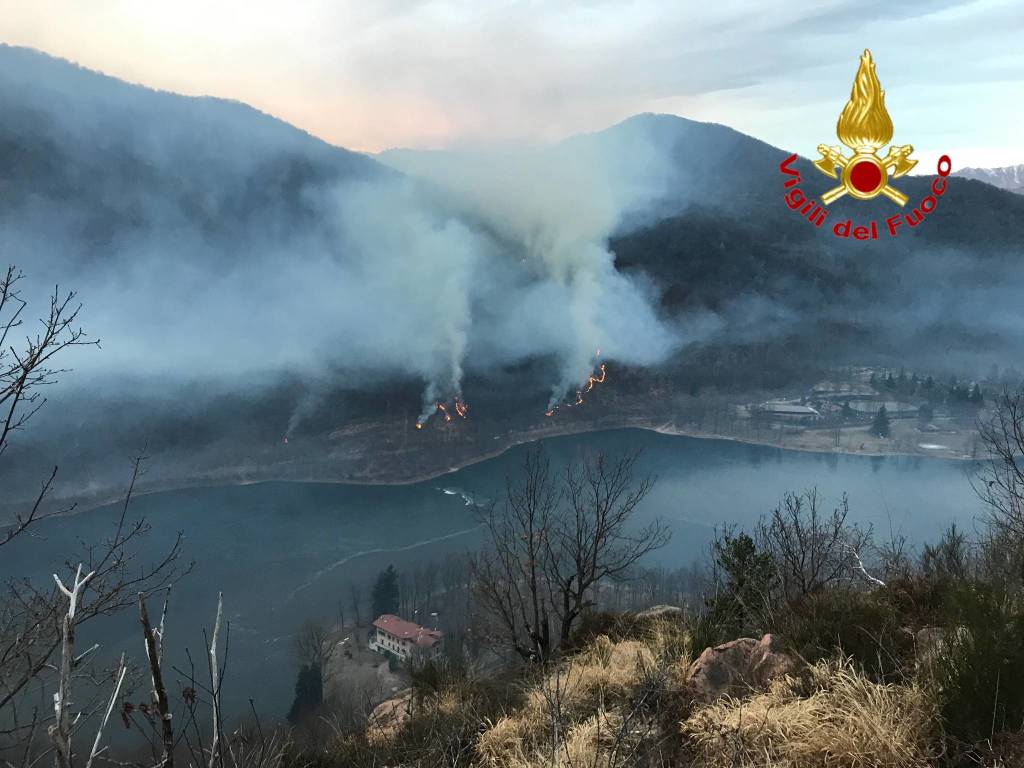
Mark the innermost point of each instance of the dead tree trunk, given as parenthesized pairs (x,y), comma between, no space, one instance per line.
(163,709)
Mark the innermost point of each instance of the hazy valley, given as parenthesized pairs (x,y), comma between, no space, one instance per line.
(537,456)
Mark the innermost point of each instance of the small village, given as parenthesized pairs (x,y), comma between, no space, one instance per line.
(874,411)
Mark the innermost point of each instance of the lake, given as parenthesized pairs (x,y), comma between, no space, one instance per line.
(284,552)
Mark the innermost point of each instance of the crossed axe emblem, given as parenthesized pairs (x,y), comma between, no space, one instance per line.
(895,164)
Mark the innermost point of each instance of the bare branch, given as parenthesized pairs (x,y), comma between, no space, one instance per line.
(216,750)
(122,669)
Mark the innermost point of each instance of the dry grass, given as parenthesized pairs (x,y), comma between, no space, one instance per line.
(841,720)
(577,715)
(595,743)
(605,671)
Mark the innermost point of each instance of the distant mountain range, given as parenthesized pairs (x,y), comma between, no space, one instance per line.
(1010,178)
(143,196)
(114,158)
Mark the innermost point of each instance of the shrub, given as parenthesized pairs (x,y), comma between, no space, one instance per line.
(447,715)
(980,671)
(870,627)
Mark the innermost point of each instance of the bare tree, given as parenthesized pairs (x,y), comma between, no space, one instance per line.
(35,620)
(356,595)
(510,577)
(60,731)
(596,540)
(552,544)
(25,371)
(314,645)
(216,677)
(1001,483)
(812,549)
(154,651)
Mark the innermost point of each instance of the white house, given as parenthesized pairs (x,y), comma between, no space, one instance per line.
(787,411)
(404,639)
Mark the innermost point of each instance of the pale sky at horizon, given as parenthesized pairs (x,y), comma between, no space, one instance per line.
(457,73)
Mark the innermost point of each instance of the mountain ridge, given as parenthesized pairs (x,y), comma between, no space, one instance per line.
(21,61)
(758,299)
(1009,177)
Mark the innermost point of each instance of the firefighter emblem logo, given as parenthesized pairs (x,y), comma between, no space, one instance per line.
(865,127)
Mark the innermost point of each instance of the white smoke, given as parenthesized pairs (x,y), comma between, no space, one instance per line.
(212,244)
(557,207)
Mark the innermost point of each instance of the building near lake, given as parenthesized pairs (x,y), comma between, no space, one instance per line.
(893,408)
(404,639)
(791,412)
(842,390)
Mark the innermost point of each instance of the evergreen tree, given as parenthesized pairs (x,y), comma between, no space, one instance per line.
(309,694)
(890,382)
(958,394)
(880,426)
(847,410)
(926,413)
(385,592)
(747,575)
(975,396)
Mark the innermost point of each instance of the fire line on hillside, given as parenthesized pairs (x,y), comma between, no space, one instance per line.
(599,378)
(458,407)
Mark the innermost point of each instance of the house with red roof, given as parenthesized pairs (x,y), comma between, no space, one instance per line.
(404,639)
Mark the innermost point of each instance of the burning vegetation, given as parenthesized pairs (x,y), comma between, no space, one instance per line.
(592,380)
(458,407)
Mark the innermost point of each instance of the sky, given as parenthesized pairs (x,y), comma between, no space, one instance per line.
(372,75)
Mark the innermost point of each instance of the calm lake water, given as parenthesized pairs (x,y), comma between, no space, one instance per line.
(284,552)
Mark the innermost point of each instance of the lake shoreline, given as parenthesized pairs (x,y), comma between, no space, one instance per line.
(232,477)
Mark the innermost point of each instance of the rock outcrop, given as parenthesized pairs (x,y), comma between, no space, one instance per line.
(661,612)
(388,717)
(738,668)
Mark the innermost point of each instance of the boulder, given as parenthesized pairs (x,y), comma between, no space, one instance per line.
(738,668)
(660,612)
(388,717)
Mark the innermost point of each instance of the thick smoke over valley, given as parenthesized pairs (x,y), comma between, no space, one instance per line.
(210,243)
(389,278)
(552,212)
(250,282)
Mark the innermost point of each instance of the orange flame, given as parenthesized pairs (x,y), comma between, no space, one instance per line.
(591,381)
(864,123)
(596,379)
(459,406)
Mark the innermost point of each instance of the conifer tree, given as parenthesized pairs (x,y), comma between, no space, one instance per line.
(880,426)
(385,592)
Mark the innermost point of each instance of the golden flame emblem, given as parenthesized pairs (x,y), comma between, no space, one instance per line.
(865,127)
